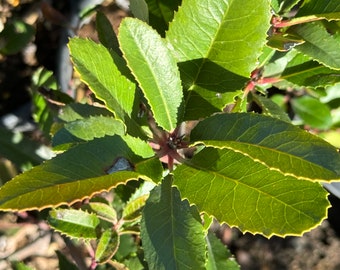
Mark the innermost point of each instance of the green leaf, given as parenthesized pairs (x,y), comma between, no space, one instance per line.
(74,223)
(283,42)
(102,210)
(329,10)
(287,5)
(161,12)
(76,111)
(310,74)
(97,68)
(207,222)
(154,68)
(79,173)
(172,237)
(275,144)
(107,246)
(44,111)
(270,108)
(313,112)
(139,147)
(115,88)
(20,266)
(275,5)
(331,136)
(15,36)
(207,30)
(106,34)
(215,59)
(219,256)
(325,52)
(238,190)
(139,9)
(45,78)
(300,70)
(93,127)
(133,208)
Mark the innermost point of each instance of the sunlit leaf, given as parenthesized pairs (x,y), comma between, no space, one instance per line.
(74,223)
(325,52)
(95,64)
(276,144)
(217,44)
(102,210)
(79,173)
(329,10)
(154,68)
(90,128)
(238,190)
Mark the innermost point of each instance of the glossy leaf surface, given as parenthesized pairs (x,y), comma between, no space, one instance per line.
(238,190)
(325,52)
(329,10)
(310,74)
(300,70)
(227,32)
(276,144)
(154,68)
(217,44)
(76,174)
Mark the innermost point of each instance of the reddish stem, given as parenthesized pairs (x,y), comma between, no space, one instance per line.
(268,80)
(287,23)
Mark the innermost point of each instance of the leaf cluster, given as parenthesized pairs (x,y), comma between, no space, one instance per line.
(175,108)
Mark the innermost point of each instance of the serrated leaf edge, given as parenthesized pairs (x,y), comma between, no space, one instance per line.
(71,236)
(266,165)
(258,232)
(78,199)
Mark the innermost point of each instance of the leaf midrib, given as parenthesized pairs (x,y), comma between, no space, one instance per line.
(263,162)
(259,191)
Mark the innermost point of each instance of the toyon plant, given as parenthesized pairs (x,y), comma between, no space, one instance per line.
(185,128)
